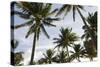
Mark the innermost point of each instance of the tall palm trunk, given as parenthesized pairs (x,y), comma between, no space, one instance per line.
(92,37)
(33,50)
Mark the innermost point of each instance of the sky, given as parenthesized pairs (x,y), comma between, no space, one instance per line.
(25,44)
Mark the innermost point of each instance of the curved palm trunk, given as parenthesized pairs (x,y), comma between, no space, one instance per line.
(91,35)
(33,50)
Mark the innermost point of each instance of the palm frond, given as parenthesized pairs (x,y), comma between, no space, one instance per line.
(44,31)
(53,12)
(83,36)
(46,10)
(74,9)
(81,7)
(31,30)
(68,9)
(48,24)
(63,8)
(49,19)
(28,23)
(20,14)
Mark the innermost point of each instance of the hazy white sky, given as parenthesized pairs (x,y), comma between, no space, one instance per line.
(43,44)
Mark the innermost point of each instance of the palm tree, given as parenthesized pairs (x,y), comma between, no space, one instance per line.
(92,23)
(90,48)
(49,56)
(39,15)
(16,57)
(68,8)
(66,38)
(78,52)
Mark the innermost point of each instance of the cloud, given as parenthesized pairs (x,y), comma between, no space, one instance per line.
(39,50)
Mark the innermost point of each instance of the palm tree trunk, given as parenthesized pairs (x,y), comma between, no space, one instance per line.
(91,58)
(49,61)
(33,50)
(78,58)
(67,51)
(92,37)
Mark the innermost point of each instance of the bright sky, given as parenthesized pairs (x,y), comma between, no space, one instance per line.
(43,44)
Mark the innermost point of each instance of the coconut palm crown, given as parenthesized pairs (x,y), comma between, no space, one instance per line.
(66,38)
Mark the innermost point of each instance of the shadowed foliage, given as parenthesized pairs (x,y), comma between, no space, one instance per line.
(77,8)
(61,57)
(66,38)
(77,53)
(16,57)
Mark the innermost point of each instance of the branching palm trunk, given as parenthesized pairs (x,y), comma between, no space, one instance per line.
(33,49)
(92,37)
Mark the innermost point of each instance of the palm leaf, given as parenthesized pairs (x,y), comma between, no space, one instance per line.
(81,7)
(83,36)
(31,30)
(46,10)
(44,31)
(68,8)
(20,14)
(53,12)
(74,13)
(28,23)
(61,10)
(49,24)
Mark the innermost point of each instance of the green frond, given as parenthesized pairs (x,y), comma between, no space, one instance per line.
(46,10)
(31,30)
(48,24)
(53,12)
